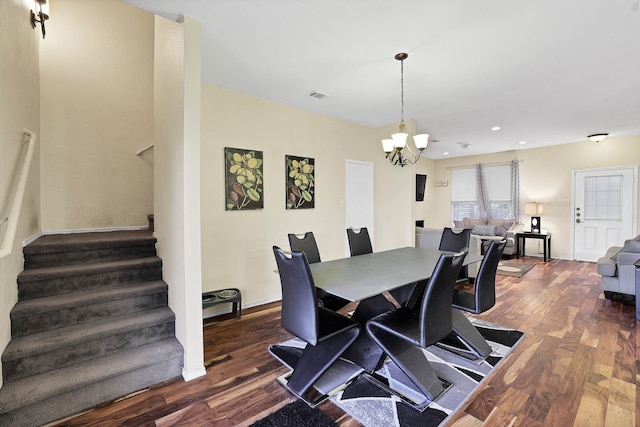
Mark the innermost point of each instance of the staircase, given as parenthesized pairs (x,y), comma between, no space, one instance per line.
(91,325)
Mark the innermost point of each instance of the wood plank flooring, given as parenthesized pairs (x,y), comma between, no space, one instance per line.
(577,364)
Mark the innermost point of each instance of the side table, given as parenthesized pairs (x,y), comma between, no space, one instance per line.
(637,264)
(546,238)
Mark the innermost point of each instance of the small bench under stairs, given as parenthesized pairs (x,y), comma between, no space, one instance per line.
(91,325)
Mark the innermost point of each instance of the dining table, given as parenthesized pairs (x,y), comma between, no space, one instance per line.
(370,279)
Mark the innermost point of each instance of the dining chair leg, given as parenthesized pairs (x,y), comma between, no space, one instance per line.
(411,361)
(315,360)
(478,347)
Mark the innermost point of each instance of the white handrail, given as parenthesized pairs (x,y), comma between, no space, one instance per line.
(148,147)
(16,202)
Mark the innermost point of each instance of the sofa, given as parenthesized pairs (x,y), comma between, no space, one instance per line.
(489,229)
(617,270)
(482,231)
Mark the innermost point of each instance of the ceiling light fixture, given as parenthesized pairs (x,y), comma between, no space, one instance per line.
(495,128)
(43,14)
(397,146)
(597,137)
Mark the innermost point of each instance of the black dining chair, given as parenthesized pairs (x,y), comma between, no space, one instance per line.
(326,332)
(359,241)
(404,332)
(455,241)
(307,243)
(482,299)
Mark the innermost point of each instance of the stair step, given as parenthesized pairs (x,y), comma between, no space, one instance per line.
(53,395)
(54,349)
(40,314)
(47,281)
(78,248)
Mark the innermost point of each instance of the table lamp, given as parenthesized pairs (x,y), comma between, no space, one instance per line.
(534,209)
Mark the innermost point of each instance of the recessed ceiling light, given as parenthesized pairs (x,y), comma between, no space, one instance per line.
(495,128)
(522,142)
(446,153)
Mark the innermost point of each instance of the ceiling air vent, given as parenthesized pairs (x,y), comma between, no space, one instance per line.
(317,95)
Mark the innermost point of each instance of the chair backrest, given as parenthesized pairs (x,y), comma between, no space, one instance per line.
(359,241)
(454,241)
(485,292)
(299,300)
(305,243)
(435,310)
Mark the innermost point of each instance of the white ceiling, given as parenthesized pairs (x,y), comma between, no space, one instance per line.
(546,71)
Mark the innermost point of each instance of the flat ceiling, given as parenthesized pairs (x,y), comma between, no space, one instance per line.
(546,72)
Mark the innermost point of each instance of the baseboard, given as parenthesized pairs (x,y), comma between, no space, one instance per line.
(188,376)
(206,314)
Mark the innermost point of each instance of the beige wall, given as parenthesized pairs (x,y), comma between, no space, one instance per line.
(546,176)
(19,109)
(97,112)
(237,245)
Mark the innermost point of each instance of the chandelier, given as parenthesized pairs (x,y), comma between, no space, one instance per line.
(398,152)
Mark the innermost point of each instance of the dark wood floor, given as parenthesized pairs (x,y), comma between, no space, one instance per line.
(576,365)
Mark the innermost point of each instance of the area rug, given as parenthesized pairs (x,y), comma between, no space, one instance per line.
(296,414)
(513,269)
(369,401)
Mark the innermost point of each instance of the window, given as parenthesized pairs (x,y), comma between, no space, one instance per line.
(603,197)
(464,188)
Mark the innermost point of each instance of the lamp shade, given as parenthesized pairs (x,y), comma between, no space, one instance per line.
(421,141)
(387,145)
(534,208)
(399,139)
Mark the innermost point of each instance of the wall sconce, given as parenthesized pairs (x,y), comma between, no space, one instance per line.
(535,209)
(42,7)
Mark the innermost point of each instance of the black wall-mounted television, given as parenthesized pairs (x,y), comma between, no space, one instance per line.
(421,183)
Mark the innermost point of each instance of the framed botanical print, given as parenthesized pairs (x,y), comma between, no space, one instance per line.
(244,185)
(300,182)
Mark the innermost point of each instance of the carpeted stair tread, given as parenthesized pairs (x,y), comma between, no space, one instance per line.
(79,299)
(47,385)
(46,273)
(83,241)
(46,341)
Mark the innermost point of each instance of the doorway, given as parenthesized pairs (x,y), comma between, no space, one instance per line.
(604,210)
(358,198)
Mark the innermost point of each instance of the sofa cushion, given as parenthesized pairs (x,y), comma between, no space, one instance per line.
(472,222)
(484,230)
(459,225)
(502,225)
(631,245)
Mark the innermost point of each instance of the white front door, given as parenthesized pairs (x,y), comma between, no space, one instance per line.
(359,198)
(604,210)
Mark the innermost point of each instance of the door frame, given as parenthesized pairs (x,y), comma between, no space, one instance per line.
(634,202)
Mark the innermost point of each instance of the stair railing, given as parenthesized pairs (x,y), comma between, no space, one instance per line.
(148,147)
(11,219)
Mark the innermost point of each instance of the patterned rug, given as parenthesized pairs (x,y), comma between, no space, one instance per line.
(369,401)
(513,269)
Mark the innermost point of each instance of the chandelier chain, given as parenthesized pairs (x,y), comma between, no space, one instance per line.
(402,91)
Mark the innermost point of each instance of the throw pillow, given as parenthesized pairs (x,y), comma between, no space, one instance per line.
(484,230)
(473,222)
(502,225)
(459,224)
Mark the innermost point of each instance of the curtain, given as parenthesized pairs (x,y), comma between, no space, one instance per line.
(482,194)
(515,189)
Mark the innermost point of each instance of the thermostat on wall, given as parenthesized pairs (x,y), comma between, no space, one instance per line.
(442,183)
